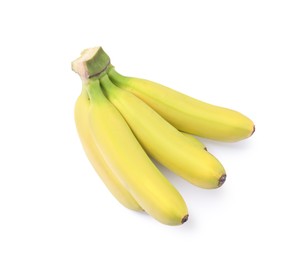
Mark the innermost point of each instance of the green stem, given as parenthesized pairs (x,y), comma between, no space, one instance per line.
(106,82)
(94,90)
(92,63)
(116,77)
(109,88)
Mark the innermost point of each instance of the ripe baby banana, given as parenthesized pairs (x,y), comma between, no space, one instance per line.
(122,120)
(127,159)
(163,141)
(112,182)
(186,113)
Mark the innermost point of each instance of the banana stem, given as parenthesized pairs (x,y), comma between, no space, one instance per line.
(94,90)
(106,83)
(92,63)
(115,76)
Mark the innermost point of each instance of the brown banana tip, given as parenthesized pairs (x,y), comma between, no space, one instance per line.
(253,130)
(222,180)
(205,149)
(184,219)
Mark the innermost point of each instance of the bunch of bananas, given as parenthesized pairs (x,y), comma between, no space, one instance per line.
(123,121)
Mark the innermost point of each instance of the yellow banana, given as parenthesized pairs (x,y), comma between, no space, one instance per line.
(127,159)
(194,141)
(111,181)
(163,141)
(186,113)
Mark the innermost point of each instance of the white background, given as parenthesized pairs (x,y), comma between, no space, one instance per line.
(246,55)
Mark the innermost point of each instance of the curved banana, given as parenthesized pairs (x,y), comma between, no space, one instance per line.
(194,141)
(186,113)
(163,141)
(130,163)
(113,184)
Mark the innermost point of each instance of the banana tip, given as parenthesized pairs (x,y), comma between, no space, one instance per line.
(253,130)
(222,180)
(184,219)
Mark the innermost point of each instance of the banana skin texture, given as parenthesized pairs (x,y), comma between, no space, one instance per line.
(164,142)
(194,141)
(114,185)
(186,113)
(127,159)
